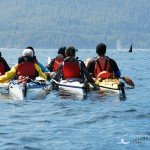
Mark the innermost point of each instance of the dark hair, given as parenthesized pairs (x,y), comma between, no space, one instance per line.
(30,47)
(101,49)
(61,50)
(0,54)
(70,51)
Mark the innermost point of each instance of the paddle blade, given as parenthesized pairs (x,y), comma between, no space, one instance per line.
(49,60)
(128,81)
(87,61)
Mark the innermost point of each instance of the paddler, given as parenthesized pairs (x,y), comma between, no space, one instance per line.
(72,67)
(54,64)
(4,67)
(26,67)
(44,69)
(102,66)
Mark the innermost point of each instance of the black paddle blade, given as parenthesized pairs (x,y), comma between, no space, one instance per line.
(128,81)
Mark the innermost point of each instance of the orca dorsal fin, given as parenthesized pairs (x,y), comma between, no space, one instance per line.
(130,50)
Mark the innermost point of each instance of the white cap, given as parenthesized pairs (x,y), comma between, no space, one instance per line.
(27,52)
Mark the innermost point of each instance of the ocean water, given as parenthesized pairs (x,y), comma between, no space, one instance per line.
(92,123)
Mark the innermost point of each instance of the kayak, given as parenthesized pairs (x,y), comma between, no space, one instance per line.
(113,85)
(4,90)
(32,90)
(74,87)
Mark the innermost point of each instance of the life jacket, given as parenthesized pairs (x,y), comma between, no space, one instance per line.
(26,68)
(102,68)
(71,70)
(2,68)
(57,62)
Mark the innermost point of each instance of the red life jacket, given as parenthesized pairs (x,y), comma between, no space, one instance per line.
(27,69)
(71,70)
(2,68)
(57,62)
(102,68)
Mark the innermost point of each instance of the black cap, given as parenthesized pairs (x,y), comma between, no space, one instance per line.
(70,50)
(61,50)
(101,49)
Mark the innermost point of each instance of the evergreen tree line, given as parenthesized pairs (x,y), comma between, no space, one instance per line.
(52,23)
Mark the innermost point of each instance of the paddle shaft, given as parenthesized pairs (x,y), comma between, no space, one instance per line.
(55,81)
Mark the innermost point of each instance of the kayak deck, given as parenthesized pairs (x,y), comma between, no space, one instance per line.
(73,86)
(31,90)
(113,85)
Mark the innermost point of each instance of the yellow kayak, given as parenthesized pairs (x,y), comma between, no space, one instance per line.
(114,85)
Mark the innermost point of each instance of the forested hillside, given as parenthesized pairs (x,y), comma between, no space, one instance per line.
(82,23)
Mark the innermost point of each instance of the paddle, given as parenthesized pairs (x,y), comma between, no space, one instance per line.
(49,60)
(127,80)
(55,81)
(34,81)
(40,82)
(95,87)
(37,81)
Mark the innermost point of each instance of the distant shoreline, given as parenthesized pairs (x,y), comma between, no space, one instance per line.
(135,49)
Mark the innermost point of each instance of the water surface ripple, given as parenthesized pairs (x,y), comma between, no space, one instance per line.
(96,122)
